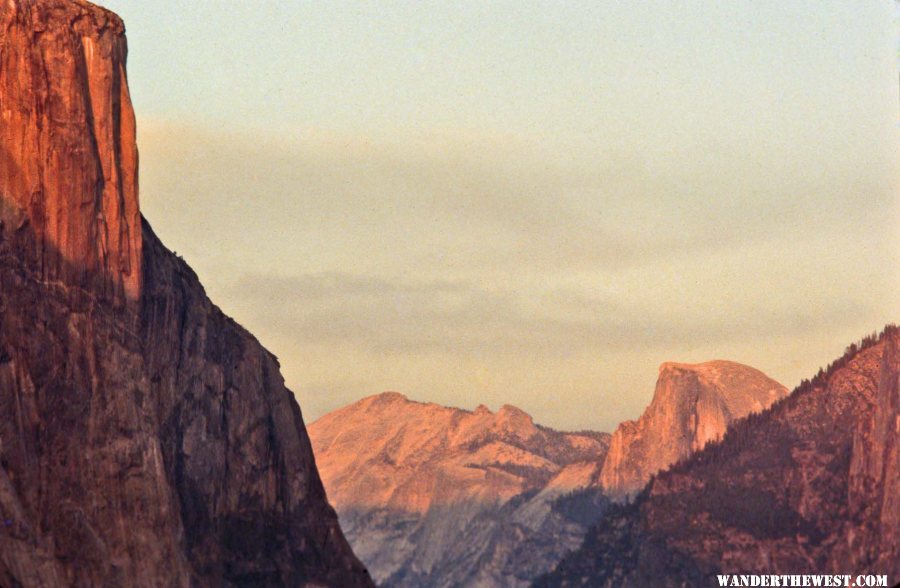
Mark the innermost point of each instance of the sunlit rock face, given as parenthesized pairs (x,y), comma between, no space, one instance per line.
(436,496)
(145,438)
(693,404)
(68,159)
(809,486)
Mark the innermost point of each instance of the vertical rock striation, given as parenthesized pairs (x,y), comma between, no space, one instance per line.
(68,160)
(145,438)
(693,405)
(874,487)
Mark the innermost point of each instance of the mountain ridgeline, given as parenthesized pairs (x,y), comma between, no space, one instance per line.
(811,485)
(146,439)
(437,496)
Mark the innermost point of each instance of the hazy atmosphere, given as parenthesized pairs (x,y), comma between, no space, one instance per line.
(533,204)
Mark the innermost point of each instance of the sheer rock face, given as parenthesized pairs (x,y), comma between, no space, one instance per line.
(693,404)
(68,161)
(874,486)
(145,438)
(437,496)
(808,486)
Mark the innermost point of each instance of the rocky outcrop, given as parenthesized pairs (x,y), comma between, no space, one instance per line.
(693,405)
(808,486)
(437,496)
(145,438)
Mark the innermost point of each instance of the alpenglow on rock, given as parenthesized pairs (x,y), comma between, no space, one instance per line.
(145,438)
(68,159)
(693,404)
(436,496)
(809,486)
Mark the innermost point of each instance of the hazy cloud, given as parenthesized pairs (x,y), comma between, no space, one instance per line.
(482,202)
(470,265)
(458,318)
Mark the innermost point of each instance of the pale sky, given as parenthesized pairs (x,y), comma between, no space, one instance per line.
(533,203)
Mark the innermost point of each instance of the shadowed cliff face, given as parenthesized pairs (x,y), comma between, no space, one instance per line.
(809,486)
(437,496)
(874,495)
(693,404)
(145,438)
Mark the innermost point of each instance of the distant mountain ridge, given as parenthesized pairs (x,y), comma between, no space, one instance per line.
(438,455)
(435,496)
(811,485)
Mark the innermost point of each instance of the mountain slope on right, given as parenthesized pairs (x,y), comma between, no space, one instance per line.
(811,485)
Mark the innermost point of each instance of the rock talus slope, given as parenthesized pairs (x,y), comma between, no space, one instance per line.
(809,486)
(693,404)
(436,496)
(145,438)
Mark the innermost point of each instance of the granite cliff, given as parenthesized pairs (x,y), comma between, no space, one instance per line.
(436,496)
(68,159)
(693,404)
(146,439)
(810,485)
